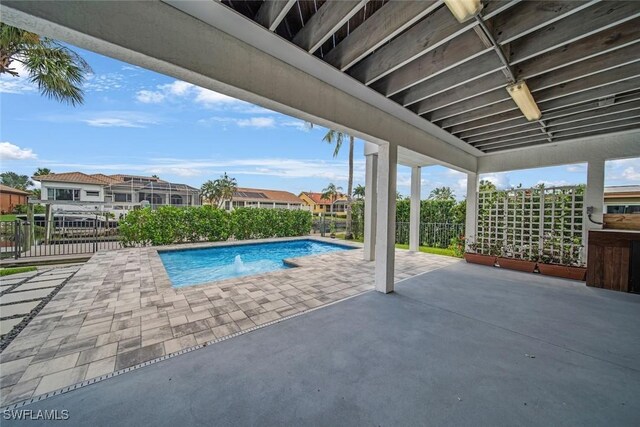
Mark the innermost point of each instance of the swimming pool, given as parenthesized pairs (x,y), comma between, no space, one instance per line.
(187,267)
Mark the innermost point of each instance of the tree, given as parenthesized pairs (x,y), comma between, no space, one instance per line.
(155,176)
(42,172)
(36,192)
(12,179)
(486,185)
(338,137)
(58,71)
(219,191)
(442,193)
(332,192)
(358,192)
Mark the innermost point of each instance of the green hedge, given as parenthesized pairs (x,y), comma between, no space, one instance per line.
(168,224)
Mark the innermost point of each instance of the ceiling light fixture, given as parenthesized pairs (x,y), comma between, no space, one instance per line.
(522,96)
(464,10)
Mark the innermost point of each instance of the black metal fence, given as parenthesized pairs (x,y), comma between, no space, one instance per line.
(59,236)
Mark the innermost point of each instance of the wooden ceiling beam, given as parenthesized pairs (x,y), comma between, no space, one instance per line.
(432,32)
(325,22)
(484,127)
(563,95)
(604,66)
(610,118)
(586,22)
(392,19)
(586,115)
(272,12)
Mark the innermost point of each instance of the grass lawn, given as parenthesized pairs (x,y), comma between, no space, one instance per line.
(8,217)
(425,249)
(15,270)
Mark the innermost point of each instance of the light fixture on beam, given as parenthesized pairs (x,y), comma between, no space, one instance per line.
(524,100)
(464,10)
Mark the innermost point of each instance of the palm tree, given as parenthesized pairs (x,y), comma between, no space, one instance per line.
(338,137)
(58,71)
(227,186)
(331,192)
(442,193)
(219,191)
(358,192)
(42,172)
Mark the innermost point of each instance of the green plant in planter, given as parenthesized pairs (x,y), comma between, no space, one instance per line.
(332,228)
(457,245)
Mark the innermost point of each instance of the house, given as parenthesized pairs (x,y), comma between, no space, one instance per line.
(261,198)
(77,191)
(319,205)
(622,199)
(11,197)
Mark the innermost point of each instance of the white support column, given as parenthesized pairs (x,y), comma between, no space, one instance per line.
(414,213)
(593,198)
(471,219)
(370,202)
(386,217)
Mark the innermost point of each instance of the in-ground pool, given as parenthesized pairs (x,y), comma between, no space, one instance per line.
(187,267)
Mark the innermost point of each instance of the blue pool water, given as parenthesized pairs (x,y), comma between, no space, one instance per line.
(193,266)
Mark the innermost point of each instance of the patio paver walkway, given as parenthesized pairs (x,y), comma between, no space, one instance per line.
(120,310)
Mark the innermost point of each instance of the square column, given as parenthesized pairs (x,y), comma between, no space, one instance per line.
(370,202)
(593,198)
(414,213)
(471,218)
(386,217)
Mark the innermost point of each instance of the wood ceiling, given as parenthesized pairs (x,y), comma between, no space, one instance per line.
(580,59)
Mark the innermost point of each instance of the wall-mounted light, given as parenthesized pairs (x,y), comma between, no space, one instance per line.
(524,100)
(464,10)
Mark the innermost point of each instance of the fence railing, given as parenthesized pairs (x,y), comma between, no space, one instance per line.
(59,236)
(431,234)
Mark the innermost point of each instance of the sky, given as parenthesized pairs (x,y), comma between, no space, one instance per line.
(135,121)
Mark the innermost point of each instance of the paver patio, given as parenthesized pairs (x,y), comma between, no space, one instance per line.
(120,310)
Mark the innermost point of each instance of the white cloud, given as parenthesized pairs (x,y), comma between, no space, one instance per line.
(178,88)
(9,151)
(631,173)
(16,84)
(578,168)
(556,183)
(500,180)
(257,122)
(104,82)
(116,118)
(149,97)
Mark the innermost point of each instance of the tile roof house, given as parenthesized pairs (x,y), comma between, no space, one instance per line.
(318,205)
(263,198)
(11,197)
(78,191)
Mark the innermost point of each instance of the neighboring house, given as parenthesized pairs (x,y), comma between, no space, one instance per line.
(622,199)
(77,191)
(318,205)
(260,198)
(11,197)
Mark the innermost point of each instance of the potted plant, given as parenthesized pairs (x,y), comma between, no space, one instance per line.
(473,255)
(562,259)
(519,258)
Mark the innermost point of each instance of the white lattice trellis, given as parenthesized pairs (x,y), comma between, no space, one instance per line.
(532,223)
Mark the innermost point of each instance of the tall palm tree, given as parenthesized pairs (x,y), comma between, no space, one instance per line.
(442,193)
(358,192)
(338,137)
(331,192)
(58,71)
(226,186)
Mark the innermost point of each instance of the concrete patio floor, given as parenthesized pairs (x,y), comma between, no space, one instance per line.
(120,310)
(463,345)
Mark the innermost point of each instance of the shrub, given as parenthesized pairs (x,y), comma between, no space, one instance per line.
(169,224)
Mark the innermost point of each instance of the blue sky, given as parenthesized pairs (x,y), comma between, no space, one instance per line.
(140,122)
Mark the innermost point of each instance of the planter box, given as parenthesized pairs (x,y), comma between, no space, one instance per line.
(517,264)
(564,271)
(480,259)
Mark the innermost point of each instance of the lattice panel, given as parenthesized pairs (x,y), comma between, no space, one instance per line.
(532,223)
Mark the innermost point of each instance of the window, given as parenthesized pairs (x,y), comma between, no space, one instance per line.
(63,194)
(92,193)
(176,199)
(238,204)
(122,197)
